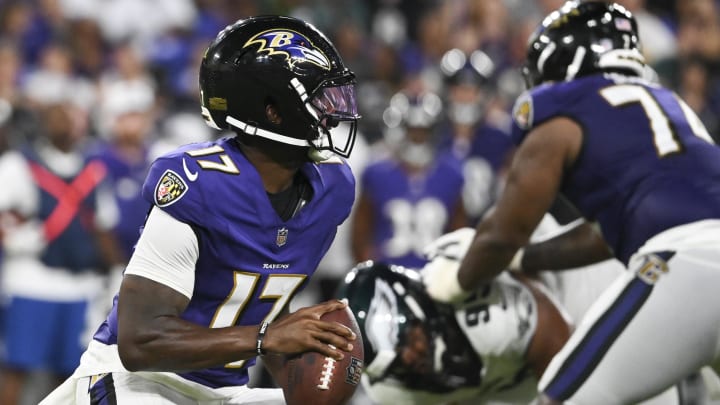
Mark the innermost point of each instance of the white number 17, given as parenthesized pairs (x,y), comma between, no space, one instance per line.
(278,287)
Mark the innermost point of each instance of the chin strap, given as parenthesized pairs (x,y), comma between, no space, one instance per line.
(264,133)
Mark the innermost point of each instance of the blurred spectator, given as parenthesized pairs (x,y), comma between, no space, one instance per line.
(10,66)
(25,26)
(413,195)
(22,124)
(88,48)
(701,93)
(699,29)
(53,252)
(126,87)
(420,57)
(140,21)
(54,80)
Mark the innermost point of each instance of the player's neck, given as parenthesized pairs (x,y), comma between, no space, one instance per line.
(276,176)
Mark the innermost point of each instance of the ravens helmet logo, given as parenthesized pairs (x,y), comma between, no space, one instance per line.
(294,46)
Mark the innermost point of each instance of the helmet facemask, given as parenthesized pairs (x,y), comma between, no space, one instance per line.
(333,108)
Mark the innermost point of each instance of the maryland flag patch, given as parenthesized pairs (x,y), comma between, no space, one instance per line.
(523,111)
(169,189)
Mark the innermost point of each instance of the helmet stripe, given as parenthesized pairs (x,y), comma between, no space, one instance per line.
(299,88)
(576,63)
(544,55)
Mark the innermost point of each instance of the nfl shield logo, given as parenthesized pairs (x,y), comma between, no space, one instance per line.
(281,236)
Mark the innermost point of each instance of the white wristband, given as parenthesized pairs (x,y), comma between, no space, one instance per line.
(516,262)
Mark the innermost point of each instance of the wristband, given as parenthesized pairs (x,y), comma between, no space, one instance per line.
(260,337)
(516,262)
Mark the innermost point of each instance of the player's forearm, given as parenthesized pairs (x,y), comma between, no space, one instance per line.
(578,247)
(487,257)
(173,344)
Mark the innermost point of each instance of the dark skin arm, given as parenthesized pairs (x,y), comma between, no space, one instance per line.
(152,336)
(274,363)
(580,246)
(532,185)
(552,331)
(458,218)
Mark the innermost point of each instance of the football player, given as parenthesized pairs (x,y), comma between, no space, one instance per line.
(412,195)
(635,158)
(235,228)
(493,346)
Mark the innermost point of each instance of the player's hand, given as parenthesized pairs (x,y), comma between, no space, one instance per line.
(440,274)
(303,331)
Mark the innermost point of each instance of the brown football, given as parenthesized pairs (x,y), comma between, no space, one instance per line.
(311,378)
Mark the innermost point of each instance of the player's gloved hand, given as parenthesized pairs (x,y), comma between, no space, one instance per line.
(440,274)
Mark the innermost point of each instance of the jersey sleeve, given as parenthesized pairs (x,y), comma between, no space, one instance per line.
(19,192)
(166,253)
(348,192)
(539,104)
(171,186)
(339,178)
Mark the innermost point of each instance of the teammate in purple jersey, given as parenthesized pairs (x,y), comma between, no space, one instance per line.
(411,195)
(635,159)
(236,228)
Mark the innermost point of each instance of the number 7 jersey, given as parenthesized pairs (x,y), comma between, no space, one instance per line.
(647,163)
(250,261)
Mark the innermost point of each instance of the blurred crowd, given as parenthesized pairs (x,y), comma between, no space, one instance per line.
(115,81)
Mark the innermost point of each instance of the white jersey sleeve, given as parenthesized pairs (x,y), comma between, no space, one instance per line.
(166,253)
(19,190)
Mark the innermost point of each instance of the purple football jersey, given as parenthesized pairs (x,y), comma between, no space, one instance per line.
(411,210)
(126,179)
(251,262)
(647,163)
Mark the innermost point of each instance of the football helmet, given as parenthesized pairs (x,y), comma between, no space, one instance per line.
(583,38)
(410,122)
(468,85)
(407,336)
(290,64)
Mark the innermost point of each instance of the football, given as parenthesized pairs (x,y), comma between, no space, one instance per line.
(311,378)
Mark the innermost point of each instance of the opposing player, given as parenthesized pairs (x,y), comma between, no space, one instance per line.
(236,228)
(493,346)
(633,157)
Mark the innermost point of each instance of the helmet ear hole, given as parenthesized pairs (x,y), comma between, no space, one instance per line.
(272,114)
